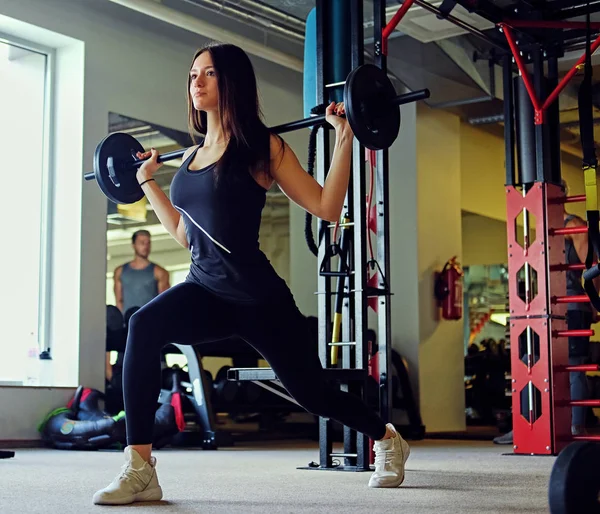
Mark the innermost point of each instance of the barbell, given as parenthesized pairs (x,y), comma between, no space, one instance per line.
(369,100)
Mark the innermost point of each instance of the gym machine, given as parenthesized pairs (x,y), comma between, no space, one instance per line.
(356,290)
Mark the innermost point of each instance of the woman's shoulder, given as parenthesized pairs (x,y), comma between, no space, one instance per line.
(277,142)
(277,148)
(190,150)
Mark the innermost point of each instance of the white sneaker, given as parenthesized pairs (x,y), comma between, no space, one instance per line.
(137,482)
(390,457)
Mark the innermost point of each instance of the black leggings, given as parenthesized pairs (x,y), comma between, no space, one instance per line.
(189,314)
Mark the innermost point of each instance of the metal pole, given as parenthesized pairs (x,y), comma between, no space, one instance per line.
(553,123)
(383,239)
(539,78)
(509,121)
(359,216)
(525,132)
(323,282)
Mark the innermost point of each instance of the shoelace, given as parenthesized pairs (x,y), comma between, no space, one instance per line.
(131,474)
(385,458)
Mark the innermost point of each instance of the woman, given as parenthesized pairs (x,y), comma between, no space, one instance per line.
(232,290)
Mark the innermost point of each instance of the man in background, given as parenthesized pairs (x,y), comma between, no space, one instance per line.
(139,281)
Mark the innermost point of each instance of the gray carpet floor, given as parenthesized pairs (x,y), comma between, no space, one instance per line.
(442,476)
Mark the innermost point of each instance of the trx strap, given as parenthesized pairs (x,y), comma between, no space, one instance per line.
(589,165)
(312,151)
(308,233)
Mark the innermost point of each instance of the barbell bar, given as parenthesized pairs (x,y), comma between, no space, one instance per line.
(369,100)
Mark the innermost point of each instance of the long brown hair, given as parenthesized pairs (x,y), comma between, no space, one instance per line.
(240,112)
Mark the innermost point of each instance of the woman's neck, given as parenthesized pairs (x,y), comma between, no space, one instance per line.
(215,134)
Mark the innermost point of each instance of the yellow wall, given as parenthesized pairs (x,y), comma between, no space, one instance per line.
(482,172)
(441,376)
(483,175)
(483,240)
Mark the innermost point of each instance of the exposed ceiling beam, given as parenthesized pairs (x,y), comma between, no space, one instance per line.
(211,31)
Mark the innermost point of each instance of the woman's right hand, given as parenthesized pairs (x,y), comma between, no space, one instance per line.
(147,170)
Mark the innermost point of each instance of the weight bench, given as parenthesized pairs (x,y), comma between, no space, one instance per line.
(267,379)
(262,375)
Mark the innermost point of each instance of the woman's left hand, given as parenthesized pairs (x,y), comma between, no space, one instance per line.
(333,116)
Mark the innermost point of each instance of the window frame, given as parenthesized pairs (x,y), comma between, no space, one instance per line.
(48,175)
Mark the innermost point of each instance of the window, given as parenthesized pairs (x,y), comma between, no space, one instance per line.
(24,136)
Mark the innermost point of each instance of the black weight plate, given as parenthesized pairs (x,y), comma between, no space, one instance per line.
(574,480)
(121,147)
(367,98)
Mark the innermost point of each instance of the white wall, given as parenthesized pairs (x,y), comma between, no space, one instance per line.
(136,66)
(403,278)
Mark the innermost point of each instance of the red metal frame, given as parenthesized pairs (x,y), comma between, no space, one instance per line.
(576,298)
(533,254)
(552,430)
(581,367)
(573,333)
(568,230)
(572,199)
(545,314)
(537,437)
(567,267)
(538,107)
(586,438)
(584,403)
(389,28)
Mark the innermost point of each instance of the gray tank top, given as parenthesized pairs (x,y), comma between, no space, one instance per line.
(138,286)
(574,285)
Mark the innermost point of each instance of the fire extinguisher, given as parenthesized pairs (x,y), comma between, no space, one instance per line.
(449,290)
